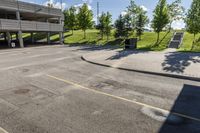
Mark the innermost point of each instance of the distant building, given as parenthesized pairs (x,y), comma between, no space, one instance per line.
(22,17)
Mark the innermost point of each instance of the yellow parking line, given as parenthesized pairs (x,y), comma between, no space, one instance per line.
(123,99)
(3,130)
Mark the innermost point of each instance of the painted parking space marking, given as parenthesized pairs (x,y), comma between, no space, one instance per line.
(123,99)
(3,130)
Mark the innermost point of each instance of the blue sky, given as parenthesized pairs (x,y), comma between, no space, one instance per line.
(115,7)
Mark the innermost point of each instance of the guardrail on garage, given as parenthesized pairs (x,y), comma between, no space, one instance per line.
(29,7)
(15,25)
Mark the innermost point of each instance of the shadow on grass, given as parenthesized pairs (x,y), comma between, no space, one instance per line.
(93,46)
(178,62)
(157,46)
(98,42)
(58,39)
(42,37)
(187,103)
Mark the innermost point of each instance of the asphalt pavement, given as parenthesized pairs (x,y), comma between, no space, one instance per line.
(50,89)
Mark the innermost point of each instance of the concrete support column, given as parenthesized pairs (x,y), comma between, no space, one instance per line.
(60,36)
(21,42)
(32,38)
(61,33)
(8,38)
(5,39)
(48,37)
(17,36)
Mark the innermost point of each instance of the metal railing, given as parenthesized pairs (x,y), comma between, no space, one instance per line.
(14,25)
(13,5)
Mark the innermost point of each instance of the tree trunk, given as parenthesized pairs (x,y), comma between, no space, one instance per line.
(164,37)
(170,27)
(140,38)
(107,37)
(193,42)
(158,38)
(84,34)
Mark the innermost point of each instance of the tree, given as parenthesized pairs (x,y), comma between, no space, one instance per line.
(142,20)
(193,19)
(176,12)
(120,26)
(71,19)
(138,18)
(50,3)
(108,25)
(160,18)
(132,11)
(85,17)
(128,22)
(102,24)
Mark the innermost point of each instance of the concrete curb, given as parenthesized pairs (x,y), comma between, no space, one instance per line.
(144,72)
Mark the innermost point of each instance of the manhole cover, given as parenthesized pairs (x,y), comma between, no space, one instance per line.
(21,91)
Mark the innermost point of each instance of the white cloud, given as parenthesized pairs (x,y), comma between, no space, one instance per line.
(87,1)
(123,13)
(80,5)
(56,4)
(179,24)
(144,8)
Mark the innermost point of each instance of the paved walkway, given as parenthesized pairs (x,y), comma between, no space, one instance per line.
(166,62)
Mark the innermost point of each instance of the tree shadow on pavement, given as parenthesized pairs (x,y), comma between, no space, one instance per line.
(178,62)
(125,53)
(186,104)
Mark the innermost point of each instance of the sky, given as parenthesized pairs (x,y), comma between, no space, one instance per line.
(115,7)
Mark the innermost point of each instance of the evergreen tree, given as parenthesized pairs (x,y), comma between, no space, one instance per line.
(50,3)
(102,24)
(120,26)
(132,11)
(142,20)
(71,18)
(193,19)
(160,18)
(128,22)
(85,17)
(108,25)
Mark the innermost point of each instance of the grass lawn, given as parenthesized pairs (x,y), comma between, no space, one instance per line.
(92,37)
(187,43)
(148,39)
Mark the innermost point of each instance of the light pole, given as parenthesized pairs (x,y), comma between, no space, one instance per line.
(61,4)
(97,13)
(61,22)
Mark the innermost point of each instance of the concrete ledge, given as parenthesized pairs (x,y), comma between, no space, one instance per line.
(142,71)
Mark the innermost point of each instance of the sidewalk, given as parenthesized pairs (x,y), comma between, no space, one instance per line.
(169,62)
